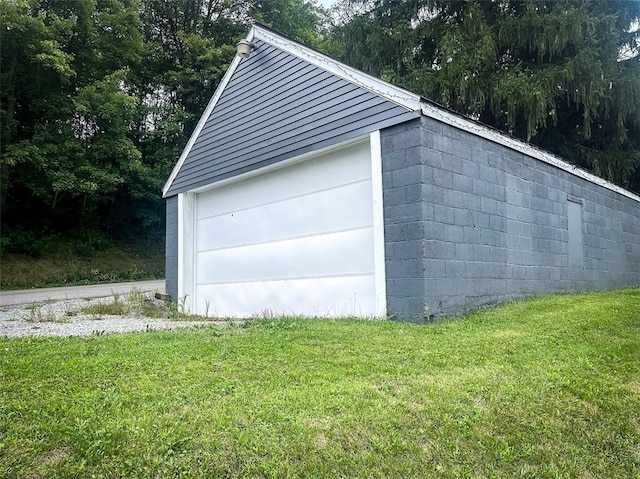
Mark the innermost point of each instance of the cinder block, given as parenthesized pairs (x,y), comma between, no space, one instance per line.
(432,158)
(480,156)
(431,125)
(395,269)
(469,189)
(442,143)
(444,286)
(412,231)
(435,231)
(463,252)
(463,217)
(482,187)
(394,196)
(480,219)
(442,178)
(463,183)
(171,243)
(414,193)
(465,286)
(498,287)
(518,198)
(470,167)
(470,235)
(393,160)
(497,223)
(455,269)
(406,212)
(492,238)
(406,139)
(443,214)
(554,194)
(407,176)
(406,309)
(482,288)
(453,233)
(434,268)
(451,163)
(408,250)
(427,138)
(497,270)
(427,211)
(455,199)
(435,249)
(482,252)
(409,287)
(489,205)
(460,148)
(414,156)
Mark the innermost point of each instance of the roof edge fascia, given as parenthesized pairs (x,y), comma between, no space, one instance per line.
(386,90)
(440,113)
(205,115)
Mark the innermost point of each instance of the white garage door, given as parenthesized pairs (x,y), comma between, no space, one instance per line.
(295,241)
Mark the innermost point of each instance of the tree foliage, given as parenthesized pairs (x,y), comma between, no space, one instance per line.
(99,97)
(564,74)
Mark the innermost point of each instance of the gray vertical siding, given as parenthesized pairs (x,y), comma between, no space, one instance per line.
(171,247)
(277,106)
(494,224)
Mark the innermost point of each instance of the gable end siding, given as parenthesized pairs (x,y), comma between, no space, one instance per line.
(275,107)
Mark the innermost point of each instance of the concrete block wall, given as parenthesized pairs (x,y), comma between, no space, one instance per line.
(495,224)
(171,247)
(404,226)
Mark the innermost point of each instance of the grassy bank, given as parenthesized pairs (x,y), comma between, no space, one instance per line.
(548,387)
(69,263)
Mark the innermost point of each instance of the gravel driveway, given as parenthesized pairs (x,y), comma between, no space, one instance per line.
(64,318)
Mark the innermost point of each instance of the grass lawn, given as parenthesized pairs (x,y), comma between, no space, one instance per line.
(548,387)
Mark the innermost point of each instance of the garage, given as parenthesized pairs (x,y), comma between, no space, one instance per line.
(298,239)
(275,206)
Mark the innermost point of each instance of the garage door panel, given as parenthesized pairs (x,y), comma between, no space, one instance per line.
(297,240)
(350,252)
(347,166)
(326,297)
(289,218)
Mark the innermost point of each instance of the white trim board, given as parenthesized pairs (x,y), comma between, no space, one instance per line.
(186,254)
(380,274)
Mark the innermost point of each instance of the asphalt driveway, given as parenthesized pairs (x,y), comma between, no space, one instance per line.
(28,296)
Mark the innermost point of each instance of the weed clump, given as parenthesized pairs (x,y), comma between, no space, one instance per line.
(43,313)
(138,303)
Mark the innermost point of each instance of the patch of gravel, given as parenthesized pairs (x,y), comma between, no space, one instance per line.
(64,318)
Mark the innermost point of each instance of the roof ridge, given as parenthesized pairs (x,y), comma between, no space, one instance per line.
(395,94)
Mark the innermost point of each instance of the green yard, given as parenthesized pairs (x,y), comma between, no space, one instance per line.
(548,387)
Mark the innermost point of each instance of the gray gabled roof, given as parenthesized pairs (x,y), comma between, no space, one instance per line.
(280,103)
(287,99)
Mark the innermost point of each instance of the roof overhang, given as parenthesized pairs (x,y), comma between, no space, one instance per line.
(392,93)
(437,112)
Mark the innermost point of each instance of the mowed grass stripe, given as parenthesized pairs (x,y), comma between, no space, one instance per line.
(547,387)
